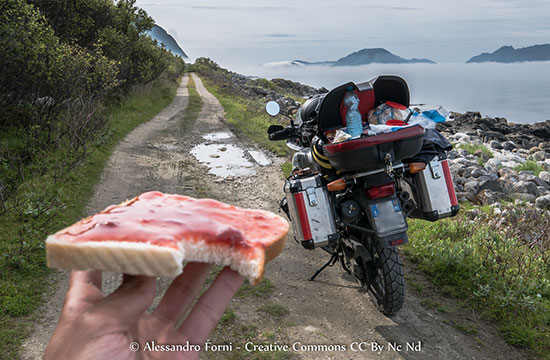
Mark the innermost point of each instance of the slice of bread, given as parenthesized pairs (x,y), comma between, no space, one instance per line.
(154,233)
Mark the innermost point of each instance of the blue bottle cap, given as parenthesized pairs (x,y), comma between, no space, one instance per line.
(349,88)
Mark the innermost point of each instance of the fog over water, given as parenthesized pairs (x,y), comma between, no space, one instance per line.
(519,92)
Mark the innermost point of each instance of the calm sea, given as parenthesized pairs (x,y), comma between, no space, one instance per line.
(519,92)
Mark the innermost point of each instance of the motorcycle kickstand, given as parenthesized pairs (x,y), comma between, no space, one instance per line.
(333,259)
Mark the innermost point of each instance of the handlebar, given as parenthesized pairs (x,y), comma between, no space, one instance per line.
(281,134)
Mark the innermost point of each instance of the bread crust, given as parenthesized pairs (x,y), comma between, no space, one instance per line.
(163,261)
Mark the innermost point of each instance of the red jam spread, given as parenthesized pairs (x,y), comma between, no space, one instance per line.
(161,219)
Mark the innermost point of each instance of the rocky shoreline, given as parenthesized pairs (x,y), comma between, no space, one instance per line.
(494,160)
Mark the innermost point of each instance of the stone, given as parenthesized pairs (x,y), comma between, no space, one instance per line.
(526,187)
(462,161)
(543,202)
(492,185)
(541,183)
(473,214)
(511,164)
(477,173)
(539,156)
(494,163)
(471,186)
(534,149)
(524,197)
(545,175)
(508,145)
(495,145)
(487,197)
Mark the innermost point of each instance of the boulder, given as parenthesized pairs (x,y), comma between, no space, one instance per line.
(476,172)
(545,175)
(495,145)
(508,145)
(492,185)
(526,187)
(487,197)
(494,163)
(543,202)
(524,197)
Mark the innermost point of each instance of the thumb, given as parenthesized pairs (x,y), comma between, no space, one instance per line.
(130,300)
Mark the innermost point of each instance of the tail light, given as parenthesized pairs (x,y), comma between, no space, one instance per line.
(380,191)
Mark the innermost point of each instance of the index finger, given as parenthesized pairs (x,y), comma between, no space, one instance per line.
(210,307)
(84,291)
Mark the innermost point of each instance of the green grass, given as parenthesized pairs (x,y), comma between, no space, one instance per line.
(473,148)
(262,290)
(499,272)
(530,166)
(249,117)
(274,310)
(194,106)
(23,268)
(434,305)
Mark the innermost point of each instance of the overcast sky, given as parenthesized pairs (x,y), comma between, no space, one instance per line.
(249,32)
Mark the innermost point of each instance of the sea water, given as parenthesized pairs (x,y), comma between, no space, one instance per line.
(519,92)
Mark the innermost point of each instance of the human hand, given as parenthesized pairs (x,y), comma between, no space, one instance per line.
(94,326)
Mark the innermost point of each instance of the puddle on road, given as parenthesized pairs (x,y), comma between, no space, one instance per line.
(221,135)
(226,159)
(231,162)
(259,157)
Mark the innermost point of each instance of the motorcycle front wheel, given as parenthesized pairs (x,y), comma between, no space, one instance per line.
(386,285)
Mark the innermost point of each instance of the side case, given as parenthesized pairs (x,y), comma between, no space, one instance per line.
(310,211)
(435,191)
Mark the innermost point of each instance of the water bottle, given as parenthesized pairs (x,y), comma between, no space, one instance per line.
(353,116)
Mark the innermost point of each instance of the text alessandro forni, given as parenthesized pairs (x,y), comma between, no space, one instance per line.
(356,346)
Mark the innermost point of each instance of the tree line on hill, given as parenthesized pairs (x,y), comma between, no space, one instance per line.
(61,62)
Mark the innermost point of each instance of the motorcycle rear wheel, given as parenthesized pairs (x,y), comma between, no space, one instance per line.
(386,285)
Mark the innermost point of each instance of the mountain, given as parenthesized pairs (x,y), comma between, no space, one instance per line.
(361,57)
(508,54)
(376,55)
(160,35)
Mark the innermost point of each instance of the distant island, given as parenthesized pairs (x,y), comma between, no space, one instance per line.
(361,57)
(159,34)
(508,54)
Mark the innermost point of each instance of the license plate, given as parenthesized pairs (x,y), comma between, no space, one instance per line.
(387,217)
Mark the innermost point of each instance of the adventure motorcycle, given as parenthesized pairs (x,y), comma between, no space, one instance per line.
(352,198)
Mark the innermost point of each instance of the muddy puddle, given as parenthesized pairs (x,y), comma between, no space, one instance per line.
(224,158)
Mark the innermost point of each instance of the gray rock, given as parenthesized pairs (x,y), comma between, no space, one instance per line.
(462,161)
(495,145)
(492,185)
(543,202)
(524,197)
(471,186)
(494,163)
(541,183)
(451,155)
(487,197)
(545,175)
(526,187)
(527,172)
(477,173)
(508,145)
(539,156)
(473,214)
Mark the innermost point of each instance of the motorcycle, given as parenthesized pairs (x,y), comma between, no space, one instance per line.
(352,198)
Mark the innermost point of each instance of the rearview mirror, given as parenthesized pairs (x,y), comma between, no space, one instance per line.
(272,108)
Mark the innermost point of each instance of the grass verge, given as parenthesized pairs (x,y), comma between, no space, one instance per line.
(194,106)
(23,268)
(499,265)
(530,166)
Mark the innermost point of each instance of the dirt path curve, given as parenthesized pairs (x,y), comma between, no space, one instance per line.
(329,311)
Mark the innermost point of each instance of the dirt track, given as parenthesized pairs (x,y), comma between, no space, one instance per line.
(329,311)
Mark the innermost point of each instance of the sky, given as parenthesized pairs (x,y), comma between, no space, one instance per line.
(251,32)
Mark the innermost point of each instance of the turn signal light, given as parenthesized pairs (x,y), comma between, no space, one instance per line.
(416,167)
(337,185)
(378,192)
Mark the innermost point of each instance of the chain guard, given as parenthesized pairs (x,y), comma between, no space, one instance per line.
(355,257)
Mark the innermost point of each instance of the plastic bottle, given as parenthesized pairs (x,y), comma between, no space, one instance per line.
(353,116)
